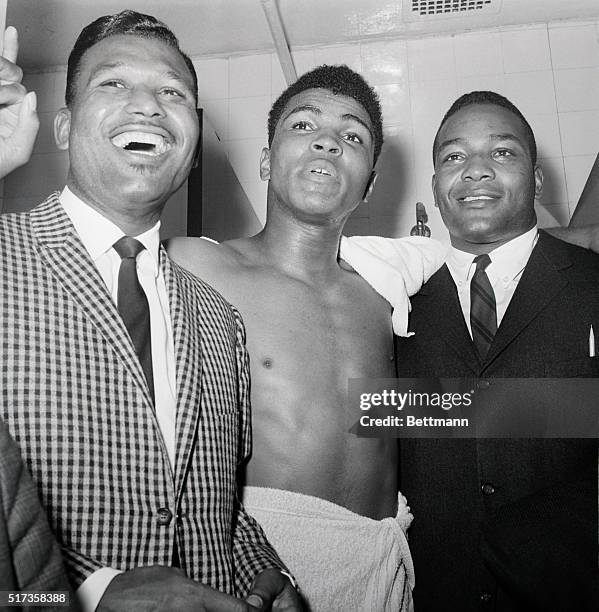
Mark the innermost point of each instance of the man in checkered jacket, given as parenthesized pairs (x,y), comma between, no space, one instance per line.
(136,469)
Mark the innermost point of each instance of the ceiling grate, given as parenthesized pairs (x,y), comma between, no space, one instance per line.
(448,7)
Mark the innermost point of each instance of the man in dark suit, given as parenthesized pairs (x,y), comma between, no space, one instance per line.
(501,524)
(126,382)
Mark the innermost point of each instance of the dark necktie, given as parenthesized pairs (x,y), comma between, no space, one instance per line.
(483,311)
(132,305)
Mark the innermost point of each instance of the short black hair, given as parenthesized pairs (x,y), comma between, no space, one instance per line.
(340,80)
(125,22)
(489,97)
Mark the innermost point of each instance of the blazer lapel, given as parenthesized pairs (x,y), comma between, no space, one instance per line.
(446,316)
(65,255)
(541,282)
(183,301)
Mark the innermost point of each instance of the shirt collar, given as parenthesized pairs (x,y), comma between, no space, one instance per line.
(507,260)
(98,233)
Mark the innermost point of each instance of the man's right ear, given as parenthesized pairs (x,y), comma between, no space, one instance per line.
(265,164)
(62,128)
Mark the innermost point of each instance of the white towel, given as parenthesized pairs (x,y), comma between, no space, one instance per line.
(341,560)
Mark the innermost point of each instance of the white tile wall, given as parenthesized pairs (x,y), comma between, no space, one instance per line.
(574,46)
(256,192)
(249,76)
(213,78)
(478,54)
(341,54)
(247,117)
(577,89)
(304,60)
(217,112)
(532,92)
(431,59)
(525,49)
(577,172)
(547,135)
(277,79)
(385,62)
(551,71)
(580,132)
(244,157)
(491,82)
(395,101)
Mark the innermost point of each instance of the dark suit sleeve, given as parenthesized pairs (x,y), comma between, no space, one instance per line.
(543,548)
(252,551)
(29,555)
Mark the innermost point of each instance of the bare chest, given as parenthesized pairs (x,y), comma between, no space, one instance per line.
(341,333)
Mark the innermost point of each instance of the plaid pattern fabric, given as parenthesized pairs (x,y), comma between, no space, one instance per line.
(29,555)
(74,395)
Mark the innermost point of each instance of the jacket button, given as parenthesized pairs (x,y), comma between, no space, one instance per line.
(488,489)
(483,384)
(165,516)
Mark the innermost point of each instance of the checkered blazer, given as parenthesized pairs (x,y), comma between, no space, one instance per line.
(74,396)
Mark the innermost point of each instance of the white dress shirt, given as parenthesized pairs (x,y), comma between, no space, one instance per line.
(505,270)
(98,235)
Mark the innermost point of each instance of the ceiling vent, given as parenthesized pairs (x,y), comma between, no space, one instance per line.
(452,8)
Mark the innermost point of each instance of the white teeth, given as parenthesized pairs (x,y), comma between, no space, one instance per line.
(474,198)
(141,142)
(321,171)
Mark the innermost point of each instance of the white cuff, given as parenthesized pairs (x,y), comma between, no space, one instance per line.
(291,578)
(93,587)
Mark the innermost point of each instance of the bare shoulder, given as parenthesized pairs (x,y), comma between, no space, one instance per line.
(199,255)
(222,265)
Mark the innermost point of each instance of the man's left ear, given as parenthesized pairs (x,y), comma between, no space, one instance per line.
(538,182)
(265,164)
(369,186)
(62,128)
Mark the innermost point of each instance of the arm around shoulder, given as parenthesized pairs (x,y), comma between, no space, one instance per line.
(412,259)
(395,268)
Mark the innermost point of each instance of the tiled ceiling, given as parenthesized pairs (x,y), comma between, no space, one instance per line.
(48,28)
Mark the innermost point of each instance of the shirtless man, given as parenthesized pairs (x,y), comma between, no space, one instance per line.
(312,325)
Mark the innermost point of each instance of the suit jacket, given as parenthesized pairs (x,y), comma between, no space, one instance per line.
(29,554)
(74,396)
(506,524)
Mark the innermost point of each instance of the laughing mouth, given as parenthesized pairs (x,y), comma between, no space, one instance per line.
(320,171)
(146,143)
(476,198)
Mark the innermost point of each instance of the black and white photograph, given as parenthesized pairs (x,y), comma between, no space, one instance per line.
(299,305)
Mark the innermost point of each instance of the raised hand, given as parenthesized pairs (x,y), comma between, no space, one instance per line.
(19,122)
